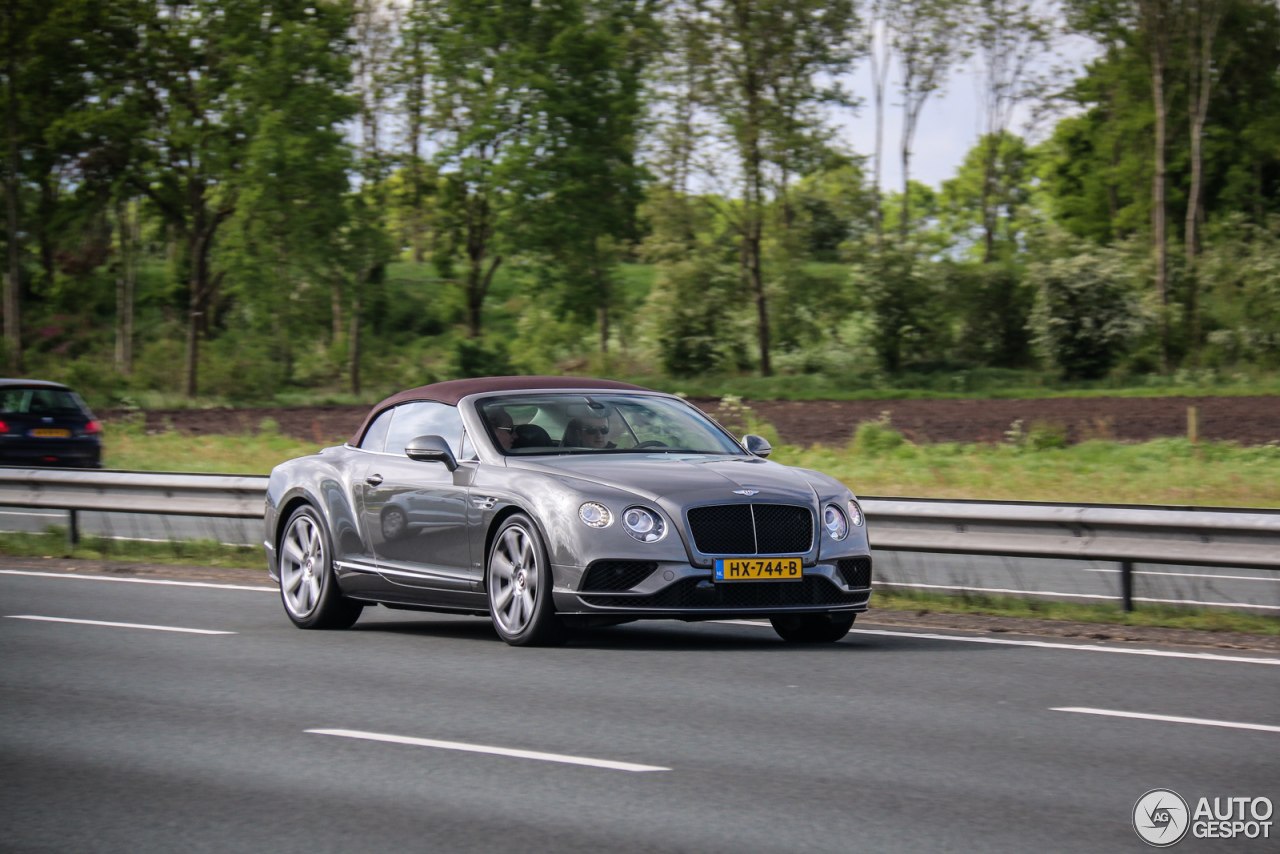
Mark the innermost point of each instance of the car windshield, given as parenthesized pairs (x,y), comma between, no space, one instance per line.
(38,401)
(532,424)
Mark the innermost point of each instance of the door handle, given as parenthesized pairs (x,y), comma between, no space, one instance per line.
(373,479)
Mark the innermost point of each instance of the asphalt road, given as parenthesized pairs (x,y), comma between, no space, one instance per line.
(118,738)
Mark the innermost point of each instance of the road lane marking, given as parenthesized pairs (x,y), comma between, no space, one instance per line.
(116,625)
(1173,719)
(1209,576)
(1077,647)
(481,748)
(1011,592)
(257,589)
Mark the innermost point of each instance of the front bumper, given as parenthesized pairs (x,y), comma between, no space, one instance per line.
(682,591)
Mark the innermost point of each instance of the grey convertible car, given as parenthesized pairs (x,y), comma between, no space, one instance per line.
(549,503)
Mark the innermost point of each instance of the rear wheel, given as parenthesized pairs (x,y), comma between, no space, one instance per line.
(812,628)
(518,583)
(307,587)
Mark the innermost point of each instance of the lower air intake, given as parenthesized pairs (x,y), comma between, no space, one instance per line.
(616,574)
(856,571)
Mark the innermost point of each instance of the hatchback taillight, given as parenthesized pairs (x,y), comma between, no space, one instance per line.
(93,427)
(4,428)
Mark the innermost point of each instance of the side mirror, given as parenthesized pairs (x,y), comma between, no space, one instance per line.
(757,445)
(431,449)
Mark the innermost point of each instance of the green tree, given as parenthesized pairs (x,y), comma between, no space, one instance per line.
(763,81)
(203,84)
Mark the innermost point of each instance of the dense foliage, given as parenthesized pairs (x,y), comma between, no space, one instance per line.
(248,198)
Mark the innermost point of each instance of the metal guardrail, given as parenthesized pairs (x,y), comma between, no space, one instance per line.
(152,493)
(1125,534)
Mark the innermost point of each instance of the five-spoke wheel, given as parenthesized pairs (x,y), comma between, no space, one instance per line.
(310,594)
(518,583)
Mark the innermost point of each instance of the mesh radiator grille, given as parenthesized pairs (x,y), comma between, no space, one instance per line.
(748,529)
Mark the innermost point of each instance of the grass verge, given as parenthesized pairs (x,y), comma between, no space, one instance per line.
(177,553)
(1163,616)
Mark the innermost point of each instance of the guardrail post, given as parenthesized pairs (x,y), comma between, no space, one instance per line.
(1126,586)
(73,528)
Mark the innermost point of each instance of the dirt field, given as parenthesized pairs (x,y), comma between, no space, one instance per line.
(1249,420)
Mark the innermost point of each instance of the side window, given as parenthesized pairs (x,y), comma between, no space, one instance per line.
(376,436)
(424,419)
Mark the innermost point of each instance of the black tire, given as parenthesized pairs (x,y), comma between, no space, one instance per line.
(308,589)
(520,601)
(812,628)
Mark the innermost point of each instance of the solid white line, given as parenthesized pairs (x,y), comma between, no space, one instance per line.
(140,580)
(1159,653)
(1193,575)
(481,748)
(1169,719)
(116,625)
(1002,590)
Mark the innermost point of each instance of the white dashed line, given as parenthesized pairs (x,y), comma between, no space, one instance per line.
(1172,719)
(256,589)
(482,748)
(116,625)
(1074,647)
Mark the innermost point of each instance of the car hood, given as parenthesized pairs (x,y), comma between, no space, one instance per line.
(681,479)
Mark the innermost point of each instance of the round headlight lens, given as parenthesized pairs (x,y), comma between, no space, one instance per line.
(855,514)
(595,515)
(643,524)
(834,521)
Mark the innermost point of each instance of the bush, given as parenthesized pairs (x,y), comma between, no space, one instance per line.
(873,438)
(477,359)
(1086,315)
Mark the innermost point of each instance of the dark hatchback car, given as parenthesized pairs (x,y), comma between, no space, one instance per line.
(47,424)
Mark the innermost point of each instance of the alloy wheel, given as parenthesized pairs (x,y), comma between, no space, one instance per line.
(302,566)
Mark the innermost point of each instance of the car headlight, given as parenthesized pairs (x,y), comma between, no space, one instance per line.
(595,515)
(855,514)
(833,519)
(643,524)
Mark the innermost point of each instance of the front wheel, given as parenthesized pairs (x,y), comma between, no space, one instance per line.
(307,587)
(518,583)
(812,628)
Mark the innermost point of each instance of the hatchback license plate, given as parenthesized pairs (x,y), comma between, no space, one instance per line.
(50,433)
(759,569)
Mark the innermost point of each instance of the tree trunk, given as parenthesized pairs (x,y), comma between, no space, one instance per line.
(990,220)
(13,282)
(353,341)
(126,285)
(877,87)
(1158,207)
(906,181)
(335,308)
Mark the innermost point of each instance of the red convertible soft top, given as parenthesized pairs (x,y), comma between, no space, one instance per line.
(452,391)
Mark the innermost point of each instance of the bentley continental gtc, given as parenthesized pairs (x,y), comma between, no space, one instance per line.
(553,503)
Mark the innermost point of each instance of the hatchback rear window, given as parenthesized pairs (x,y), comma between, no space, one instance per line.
(38,401)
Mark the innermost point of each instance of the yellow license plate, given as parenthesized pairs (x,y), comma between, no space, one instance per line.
(50,433)
(759,569)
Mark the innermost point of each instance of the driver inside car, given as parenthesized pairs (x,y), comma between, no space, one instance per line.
(588,432)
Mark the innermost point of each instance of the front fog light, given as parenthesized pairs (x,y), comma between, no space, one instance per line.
(834,521)
(595,515)
(855,514)
(645,525)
